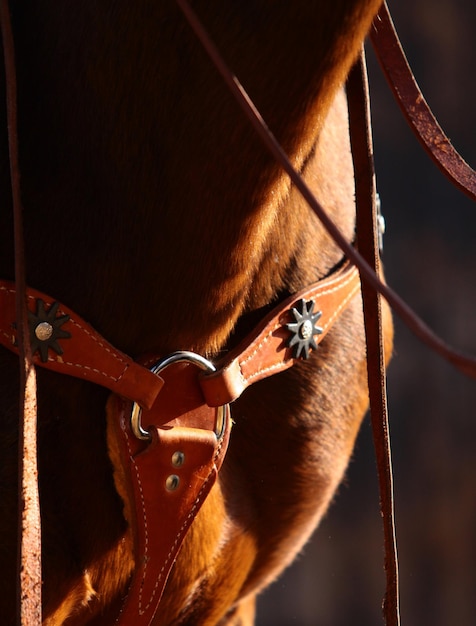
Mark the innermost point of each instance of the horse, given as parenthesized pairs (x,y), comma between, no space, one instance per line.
(153,211)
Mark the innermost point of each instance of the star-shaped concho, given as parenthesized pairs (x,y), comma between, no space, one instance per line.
(45,329)
(304,329)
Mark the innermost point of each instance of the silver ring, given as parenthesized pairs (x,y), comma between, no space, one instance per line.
(178,357)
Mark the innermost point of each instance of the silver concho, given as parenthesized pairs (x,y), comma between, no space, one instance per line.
(45,329)
(304,330)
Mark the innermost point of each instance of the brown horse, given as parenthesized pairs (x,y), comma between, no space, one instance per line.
(152,210)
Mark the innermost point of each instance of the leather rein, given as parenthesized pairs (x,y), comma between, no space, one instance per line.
(166,443)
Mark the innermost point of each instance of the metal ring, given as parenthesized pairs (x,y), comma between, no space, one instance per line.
(178,357)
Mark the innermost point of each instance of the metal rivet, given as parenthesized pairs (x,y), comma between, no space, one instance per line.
(178,459)
(43,331)
(172,482)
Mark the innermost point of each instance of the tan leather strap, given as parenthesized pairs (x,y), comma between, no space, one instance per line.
(167,480)
(367,241)
(266,351)
(399,75)
(84,354)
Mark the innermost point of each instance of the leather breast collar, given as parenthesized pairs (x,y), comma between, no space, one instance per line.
(67,344)
(172,455)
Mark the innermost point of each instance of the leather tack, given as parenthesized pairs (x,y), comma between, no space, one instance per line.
(85,354)
(168,480)
(265,351)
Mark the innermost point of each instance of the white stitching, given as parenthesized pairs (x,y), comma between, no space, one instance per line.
(85,330)
(90,369)
(278,325)
(177,538)
(134,464)
(98,341)
(278,366)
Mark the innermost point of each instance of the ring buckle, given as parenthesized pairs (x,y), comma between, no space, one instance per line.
(181,356)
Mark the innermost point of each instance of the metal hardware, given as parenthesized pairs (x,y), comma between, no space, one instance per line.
(178,459)
(45,329)
(179,357)
(303,328)
(172,483)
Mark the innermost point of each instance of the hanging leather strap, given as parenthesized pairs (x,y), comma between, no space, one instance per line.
(367,241)
(29,520)
(393,61)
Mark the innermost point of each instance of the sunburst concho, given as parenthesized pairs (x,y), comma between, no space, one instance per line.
(303,330)
(45,329)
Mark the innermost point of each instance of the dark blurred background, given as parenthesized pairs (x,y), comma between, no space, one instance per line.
(430,259)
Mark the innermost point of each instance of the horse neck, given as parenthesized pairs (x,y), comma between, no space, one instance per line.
(151,207)
(152,210)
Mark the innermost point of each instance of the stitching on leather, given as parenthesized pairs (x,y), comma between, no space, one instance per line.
(342,305)
(85,330)
(7,289)
(278,366)
(90,369)
(178,538)
(98,341)
(278,325)
(139,482)
(10,338)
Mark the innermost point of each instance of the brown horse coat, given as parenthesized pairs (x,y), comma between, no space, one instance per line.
(153,211)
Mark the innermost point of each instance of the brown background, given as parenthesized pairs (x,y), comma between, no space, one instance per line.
(430,258)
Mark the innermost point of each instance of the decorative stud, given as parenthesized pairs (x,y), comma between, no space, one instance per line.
(45,329)
(172,483)
(178,459)
(303,329)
